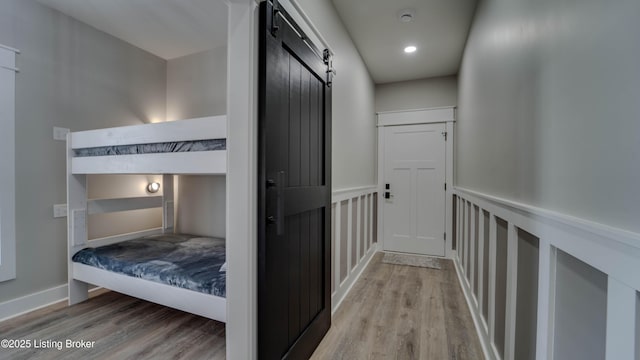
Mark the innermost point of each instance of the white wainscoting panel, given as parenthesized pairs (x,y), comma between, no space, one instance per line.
(351,235)
(597,249)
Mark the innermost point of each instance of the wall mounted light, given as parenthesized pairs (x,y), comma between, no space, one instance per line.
(153,187)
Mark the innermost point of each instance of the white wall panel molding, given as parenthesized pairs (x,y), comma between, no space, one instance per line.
(546,294)
(492,276)
(362,197)
(472,246)
(480,267)
(621,320)
(614,252)
(512,277)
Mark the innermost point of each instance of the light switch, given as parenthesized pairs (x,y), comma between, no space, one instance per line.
(59,210)
(60,133)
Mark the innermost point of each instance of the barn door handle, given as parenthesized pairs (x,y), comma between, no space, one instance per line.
(280,203)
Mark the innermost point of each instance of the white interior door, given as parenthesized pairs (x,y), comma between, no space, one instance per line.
(414,169)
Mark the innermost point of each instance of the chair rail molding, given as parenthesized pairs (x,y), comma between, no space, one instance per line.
(612,253)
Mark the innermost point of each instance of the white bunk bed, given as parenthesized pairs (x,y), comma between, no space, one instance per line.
(210,162)
(191,162)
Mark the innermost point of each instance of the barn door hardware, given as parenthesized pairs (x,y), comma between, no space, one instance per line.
(328,60)
(275,9)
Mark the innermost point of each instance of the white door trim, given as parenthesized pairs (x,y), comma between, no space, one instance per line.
(417,116)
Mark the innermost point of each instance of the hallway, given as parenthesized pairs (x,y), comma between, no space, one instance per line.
(402,312)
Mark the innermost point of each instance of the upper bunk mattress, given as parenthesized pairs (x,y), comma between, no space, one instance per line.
(167,147)
(184,261)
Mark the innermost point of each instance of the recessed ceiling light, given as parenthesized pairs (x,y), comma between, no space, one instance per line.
(410,49)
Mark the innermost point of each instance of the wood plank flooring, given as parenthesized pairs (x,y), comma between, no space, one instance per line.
(122,327)
(392,312)
(403,312)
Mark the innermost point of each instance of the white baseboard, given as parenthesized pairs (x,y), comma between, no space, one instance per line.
(38,300)
(22,305)
(485,342)
(340,294)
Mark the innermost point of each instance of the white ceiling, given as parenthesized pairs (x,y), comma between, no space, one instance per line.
(171,28)
(439,30)
(167,28)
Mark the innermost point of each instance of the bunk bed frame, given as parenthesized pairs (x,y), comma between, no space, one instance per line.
(79,207)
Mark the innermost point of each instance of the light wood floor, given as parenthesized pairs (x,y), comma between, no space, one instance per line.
(123,328)
(403,312)
(392,312)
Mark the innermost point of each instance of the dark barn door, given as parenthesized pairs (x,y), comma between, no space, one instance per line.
(294,264)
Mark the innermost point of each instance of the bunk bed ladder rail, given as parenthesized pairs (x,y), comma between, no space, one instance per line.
(167,204)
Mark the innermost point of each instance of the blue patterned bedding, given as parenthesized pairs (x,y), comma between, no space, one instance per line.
(184,261)
(179,146)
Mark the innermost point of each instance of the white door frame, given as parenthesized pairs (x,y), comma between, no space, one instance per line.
(413,117)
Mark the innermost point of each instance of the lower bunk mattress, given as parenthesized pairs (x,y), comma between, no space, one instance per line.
(186,261)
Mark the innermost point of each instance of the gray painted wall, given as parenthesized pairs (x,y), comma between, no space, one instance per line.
(580,321)
(417,94)
(526,296)
(354,133)
(114,186)
(72,76)
(500,295)
(196,87)
(548,107)
(202,205)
